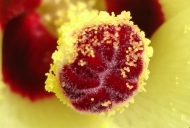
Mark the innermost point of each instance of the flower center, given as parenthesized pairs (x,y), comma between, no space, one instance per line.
(107,68)
(99,64)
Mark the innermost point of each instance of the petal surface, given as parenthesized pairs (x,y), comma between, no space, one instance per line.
(166,102)
(49,113)
(172,7)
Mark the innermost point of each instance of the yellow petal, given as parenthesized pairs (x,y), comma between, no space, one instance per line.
(17,112)
(173,7)
(166,102)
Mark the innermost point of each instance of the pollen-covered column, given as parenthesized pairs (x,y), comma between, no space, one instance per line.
(101,62)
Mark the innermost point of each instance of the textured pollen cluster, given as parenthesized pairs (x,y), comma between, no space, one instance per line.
(99,64)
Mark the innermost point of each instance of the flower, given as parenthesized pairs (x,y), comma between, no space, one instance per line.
(165,104)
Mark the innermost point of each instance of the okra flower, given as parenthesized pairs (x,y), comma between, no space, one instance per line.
(28,37)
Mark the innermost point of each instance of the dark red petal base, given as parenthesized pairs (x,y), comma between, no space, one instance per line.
(147,14)
(12,8)
(98,85)
(27,49)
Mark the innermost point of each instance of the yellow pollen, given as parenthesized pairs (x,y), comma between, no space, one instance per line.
(63,84)
(108,42)
(136,49)
(92,53)
(81,63)
(129,48)
(115,45)
(128,57)
(127,69)
(123,73)
(106,104)
(116,35)
(130,64)
(47,17)
(129,86)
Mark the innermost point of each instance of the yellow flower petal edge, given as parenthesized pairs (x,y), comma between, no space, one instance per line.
(67,51)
